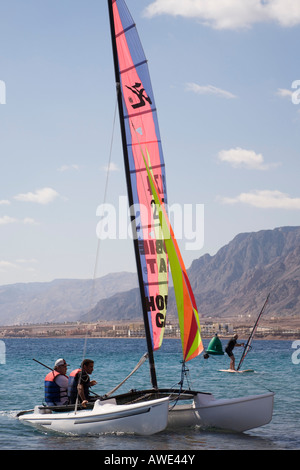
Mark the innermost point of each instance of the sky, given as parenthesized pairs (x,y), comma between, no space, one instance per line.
(226,81)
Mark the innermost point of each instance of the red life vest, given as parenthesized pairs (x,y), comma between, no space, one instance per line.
(72,386)
(53,392)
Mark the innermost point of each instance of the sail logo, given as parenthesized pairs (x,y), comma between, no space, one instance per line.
(139,93)
(296,354)
(2,92)
(125,222)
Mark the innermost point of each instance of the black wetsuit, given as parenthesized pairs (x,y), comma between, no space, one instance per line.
(230,346)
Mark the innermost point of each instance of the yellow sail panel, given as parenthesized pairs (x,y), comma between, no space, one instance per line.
(186,305)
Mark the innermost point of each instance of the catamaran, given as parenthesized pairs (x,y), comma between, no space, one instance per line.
(156,250)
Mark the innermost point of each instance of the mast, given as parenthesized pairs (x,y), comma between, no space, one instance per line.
(248,344)
(130,197)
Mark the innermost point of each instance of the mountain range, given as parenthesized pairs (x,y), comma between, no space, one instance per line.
(235,281)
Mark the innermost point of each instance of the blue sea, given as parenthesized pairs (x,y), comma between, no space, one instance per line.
(274,362)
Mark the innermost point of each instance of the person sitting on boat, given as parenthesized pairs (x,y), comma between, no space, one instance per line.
(232,343)
(56,384)
(80,383)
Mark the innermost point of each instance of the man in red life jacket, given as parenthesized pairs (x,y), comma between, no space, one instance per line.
(79,383)
(56,384)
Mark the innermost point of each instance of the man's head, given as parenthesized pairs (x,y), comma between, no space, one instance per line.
(87,365)
(61,366)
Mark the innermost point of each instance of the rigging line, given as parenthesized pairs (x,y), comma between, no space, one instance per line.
(184,374)
(139,364)
(92,291)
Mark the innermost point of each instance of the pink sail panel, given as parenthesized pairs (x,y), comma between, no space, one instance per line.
(142,135)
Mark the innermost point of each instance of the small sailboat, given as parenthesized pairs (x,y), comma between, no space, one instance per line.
(156,250)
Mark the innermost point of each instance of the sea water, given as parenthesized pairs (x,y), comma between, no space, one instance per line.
(22,387)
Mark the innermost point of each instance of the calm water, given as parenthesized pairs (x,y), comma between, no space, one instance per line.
(21,387)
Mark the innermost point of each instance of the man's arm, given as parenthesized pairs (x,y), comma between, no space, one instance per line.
(80,389)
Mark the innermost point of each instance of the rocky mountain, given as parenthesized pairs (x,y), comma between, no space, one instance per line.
(238,278)
(235,281)
(60,300)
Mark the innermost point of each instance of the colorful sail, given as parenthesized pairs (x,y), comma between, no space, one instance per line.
(186,305)
(141,134)
(247,346)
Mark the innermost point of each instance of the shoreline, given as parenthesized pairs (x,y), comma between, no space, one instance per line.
(269,329)
(292,337)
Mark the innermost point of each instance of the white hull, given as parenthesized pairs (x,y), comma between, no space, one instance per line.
(237,414)
(144,418)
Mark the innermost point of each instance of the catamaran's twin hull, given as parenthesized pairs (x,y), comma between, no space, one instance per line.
(202,409)
(153,414)
(144,418)
(236,414)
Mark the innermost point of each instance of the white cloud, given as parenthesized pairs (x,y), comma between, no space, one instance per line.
(6,264)
(209,90)
(249,159)
(265,199)
(111,167)
(68,167)
(284,93)
(19,264)
(30,221)
(40,196)
(5,220)
(230,14)
(25,261)
(4,202)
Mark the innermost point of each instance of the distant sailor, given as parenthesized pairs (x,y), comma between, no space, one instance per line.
(229,348)
(80,383)
(56,384)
